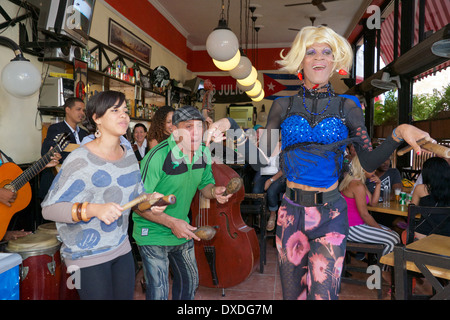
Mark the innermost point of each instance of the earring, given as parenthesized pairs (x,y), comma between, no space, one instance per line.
(97,134)
(343,72)
(300,75)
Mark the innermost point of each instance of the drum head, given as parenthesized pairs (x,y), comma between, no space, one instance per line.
(49,228)
(33,242)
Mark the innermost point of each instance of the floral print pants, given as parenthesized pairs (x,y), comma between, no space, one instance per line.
(311,245)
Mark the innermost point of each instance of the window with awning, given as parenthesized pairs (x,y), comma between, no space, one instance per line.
(436,17)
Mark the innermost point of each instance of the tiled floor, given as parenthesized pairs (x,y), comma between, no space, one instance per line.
(267,285)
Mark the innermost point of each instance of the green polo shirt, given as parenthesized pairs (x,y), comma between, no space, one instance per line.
(165,169)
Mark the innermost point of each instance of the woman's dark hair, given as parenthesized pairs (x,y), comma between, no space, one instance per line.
(156,130)
(436,176)
(98,105)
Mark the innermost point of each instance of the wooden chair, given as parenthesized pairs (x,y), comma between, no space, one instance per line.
(423,261)
(436,218)
(371,248)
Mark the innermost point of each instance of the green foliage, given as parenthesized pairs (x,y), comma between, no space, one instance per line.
(425,106)
(386,113)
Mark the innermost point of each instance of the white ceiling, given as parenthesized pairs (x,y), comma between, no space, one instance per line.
(196,19)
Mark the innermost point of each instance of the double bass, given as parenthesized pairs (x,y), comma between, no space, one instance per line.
(232,254)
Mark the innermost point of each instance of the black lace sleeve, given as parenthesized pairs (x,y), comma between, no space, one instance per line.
(370,158)
(257,156)
(270,136)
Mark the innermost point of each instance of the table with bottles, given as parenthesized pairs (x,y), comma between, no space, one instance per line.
(394,208)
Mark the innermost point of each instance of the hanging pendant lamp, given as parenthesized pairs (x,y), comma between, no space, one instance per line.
(222,44)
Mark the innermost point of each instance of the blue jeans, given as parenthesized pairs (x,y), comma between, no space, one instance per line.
(181,258)
(273,192)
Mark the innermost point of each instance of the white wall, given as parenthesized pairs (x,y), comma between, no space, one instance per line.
(20,138)
(20,123)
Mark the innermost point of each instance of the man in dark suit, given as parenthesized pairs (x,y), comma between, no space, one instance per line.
(75,114)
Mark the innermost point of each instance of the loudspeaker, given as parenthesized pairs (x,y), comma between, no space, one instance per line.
(66,53)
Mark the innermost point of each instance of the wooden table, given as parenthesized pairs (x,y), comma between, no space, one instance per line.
(395,208)
(434,243)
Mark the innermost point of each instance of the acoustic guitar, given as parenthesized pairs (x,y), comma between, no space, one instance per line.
(16,180)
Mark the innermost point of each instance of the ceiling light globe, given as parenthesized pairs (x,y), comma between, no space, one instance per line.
(21,78)
(260,97)
(255,91)
(243,69)
(222,44)
(250,79)
(229,64)
(245,88)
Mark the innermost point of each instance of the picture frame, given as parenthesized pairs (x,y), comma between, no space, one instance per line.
(127,42)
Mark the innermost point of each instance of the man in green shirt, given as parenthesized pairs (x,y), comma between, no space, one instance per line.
(178,165)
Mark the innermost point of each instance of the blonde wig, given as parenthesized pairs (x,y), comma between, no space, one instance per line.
(342,51)
(356,173)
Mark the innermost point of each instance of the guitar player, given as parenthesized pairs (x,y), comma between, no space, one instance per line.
(7,198)
(74,114)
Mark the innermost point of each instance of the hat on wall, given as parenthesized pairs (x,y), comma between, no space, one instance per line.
(186,113)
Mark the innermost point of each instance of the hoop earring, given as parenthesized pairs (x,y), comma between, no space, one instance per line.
(97,134)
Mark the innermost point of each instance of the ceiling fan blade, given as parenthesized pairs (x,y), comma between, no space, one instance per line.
(296,4)
(321,7)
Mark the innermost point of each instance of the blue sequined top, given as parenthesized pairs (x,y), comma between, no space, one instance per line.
(299,141)
(315,130)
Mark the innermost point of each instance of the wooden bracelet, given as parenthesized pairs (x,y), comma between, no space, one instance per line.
(74,212)
(83,212)
(79,211)
(213,194)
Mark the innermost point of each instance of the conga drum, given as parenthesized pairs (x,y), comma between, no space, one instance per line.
(65,293)
(48,228)
(40,271)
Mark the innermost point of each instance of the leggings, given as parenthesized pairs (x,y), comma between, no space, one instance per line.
(311,248)
(112,280)
(365,233)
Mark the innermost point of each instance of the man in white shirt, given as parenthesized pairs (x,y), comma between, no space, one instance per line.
(74,114)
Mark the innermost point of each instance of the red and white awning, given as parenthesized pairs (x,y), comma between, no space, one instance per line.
(437,16)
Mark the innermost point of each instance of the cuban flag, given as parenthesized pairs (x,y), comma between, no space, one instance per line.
(278,85)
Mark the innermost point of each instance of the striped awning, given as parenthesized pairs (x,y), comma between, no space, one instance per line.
(437,16)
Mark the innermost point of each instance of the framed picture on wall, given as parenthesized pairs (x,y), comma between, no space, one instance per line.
(124,40)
